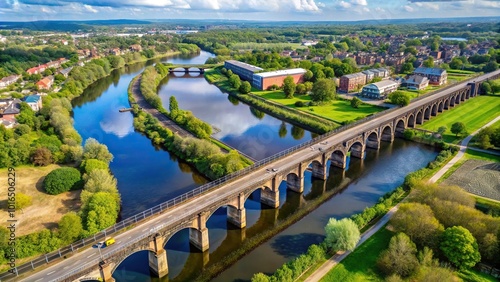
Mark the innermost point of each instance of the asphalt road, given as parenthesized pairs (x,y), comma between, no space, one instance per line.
(201,203)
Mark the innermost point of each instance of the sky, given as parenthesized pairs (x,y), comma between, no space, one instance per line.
(265,10)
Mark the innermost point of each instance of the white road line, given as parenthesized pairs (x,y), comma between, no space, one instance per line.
(91,255)
(66,267)
(50,273)
(39,280)
(118,242)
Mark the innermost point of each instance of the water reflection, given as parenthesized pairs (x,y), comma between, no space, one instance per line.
(244,128)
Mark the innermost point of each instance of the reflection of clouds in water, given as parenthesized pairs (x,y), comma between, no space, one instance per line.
(212,106)
(119,124)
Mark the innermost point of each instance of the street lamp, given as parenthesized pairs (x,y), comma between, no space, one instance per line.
(99,248)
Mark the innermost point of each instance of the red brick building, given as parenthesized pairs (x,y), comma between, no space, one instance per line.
(351,82)
(265,79)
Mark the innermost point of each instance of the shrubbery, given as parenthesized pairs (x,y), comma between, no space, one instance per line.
(62,180)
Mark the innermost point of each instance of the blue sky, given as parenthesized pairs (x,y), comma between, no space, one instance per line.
(334,10)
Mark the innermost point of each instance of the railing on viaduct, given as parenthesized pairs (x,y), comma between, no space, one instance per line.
(147,214)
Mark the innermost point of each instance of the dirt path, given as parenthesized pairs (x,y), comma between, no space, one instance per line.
(168,123)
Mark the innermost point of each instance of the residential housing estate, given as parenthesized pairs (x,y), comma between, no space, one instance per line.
(352,82)
(436,76)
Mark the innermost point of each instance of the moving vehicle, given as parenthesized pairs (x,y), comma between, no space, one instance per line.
(109,241)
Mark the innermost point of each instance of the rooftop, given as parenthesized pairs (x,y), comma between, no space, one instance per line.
(244,65)
(281,72)
(430,71)
(382,84)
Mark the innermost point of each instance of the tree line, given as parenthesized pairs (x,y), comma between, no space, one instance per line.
(151,78)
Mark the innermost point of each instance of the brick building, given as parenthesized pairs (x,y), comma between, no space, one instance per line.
(379,90)
(351,82)
(265,79)
(436,76)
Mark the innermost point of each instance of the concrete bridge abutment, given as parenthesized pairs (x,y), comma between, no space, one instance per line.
(295,183)
(319,170)
(236,212)
(106,270)
(158,259)
(199,236)
(270,198)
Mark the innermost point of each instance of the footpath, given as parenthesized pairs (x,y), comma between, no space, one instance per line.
(142,103)
(337,258)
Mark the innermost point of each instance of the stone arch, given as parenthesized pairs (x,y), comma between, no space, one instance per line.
(372,141)
(250,192)
(446,104)
(357,149)
(434,110)
(294,182)
(457,99)
(400,126)
(467,93)
(462,95)
(420,117)
(338,159)
(452,101)
(427,113)
(149,250)
(387,134)
(440,107)
(318,169)
(411,120)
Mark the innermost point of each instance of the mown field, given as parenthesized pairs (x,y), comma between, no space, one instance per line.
(338,110)
(474,113)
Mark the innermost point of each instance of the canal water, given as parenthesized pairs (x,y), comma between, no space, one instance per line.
(244,128)
(148,175)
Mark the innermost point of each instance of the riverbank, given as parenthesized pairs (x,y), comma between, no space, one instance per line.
(302,119)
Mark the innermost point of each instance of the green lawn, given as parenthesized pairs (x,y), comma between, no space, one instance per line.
(474,113)
(460,71)
(337,110)
(360,265)
(415,93)
(476,276)
(262,46)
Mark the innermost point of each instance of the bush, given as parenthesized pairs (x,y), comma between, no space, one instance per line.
(89,165)
(299,104)
(62,180)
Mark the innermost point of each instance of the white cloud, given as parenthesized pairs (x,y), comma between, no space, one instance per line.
(428,5)
(345,5)
(90,8)
(359,2)
(408,8)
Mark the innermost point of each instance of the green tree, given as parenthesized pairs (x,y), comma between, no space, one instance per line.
(289,87)
(429,62)
(456,63)
(282,131)
(341,235)
(173,106)
(70,227)
(458,128)
(490,66)
(425,231)
(61,180)
(260,277)
(94,150)
(460,247)
(355,102)
(301,88)
(245,87)
(486,87)
(308,76)
(441,130)
(100,212)
(399,98)
(400,257)
(87,166)
(407,68)
(323,90)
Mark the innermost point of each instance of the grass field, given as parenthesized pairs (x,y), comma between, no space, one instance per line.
(474,113)
(337,110)
(360,265)
(46,209)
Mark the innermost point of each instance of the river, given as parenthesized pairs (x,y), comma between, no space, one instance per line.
(148,175)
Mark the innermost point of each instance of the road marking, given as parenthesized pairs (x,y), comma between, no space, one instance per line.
(66,267)
(129,236)
(39,280)
(145,230)
(91,255)
(50,273)
(120,241)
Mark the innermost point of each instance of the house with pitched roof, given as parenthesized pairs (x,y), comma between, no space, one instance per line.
(436,76)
